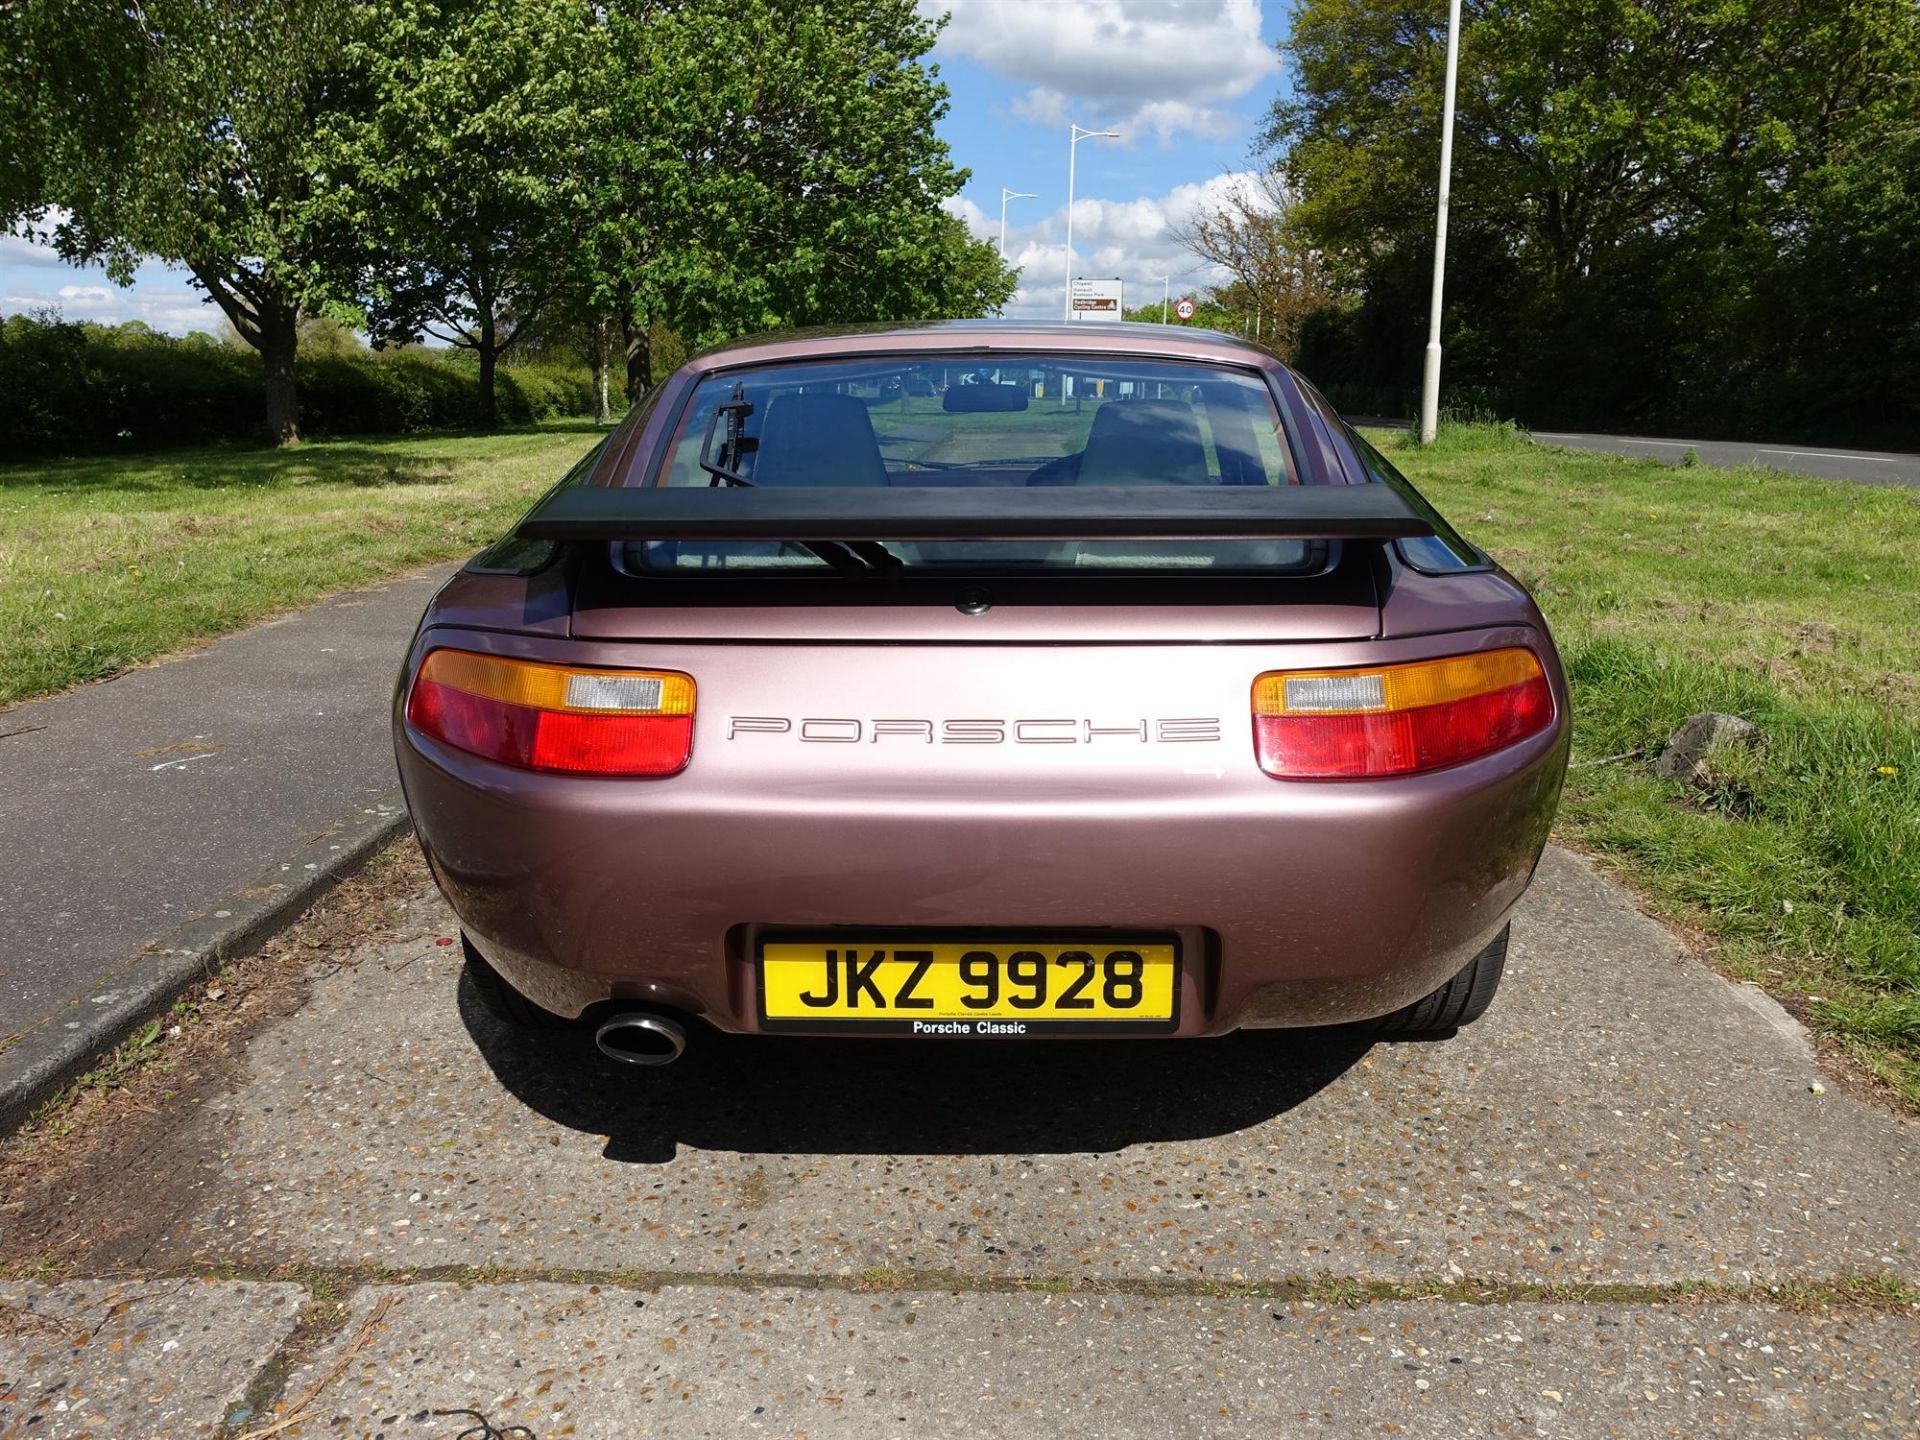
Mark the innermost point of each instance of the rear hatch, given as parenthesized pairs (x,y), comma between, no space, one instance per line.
(898,566)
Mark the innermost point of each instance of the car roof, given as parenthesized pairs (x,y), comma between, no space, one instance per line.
(986,337)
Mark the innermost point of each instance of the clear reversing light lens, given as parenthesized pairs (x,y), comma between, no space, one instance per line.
(1325,694)
(614,692)
(555,717)
(1397,719)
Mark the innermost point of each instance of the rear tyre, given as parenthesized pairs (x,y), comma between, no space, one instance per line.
(1461,1001)
(501,1000)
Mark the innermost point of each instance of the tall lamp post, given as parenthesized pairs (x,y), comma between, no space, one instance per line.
(1166,289)
(1005,196)
(1073,145)
(1430,376)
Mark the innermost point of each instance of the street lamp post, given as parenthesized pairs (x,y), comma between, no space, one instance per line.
(1430,376)
(1005,196)
(1073,144)
(1166,289)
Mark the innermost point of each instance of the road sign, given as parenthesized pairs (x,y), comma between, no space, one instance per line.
(1095,300)
(1184,309)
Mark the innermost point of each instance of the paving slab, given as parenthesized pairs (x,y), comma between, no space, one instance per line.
(1621,1115)
(132,807)
(700,1361)
(133,1360)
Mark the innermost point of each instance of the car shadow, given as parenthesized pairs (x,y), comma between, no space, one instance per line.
(784,1095)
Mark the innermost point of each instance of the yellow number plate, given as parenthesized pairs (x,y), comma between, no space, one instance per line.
(910,987)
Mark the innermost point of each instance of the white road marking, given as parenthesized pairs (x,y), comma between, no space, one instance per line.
(1623,439)
(175,764)
(1832,455)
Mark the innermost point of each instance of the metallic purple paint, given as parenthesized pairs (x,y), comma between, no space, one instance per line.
(1295,903)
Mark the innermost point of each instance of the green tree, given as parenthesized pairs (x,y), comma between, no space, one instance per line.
(22,142)
(184,129)
(466,175)
(1581,122)
(777,164)
(1637,193)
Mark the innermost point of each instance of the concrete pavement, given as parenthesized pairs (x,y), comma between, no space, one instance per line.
(213,788)
(696,1361)
(132,1359)
(870,1239)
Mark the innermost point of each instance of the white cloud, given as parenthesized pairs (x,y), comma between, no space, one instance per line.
(160,295)
(1167,118)
(1042,106)
(33,247)
(1127,238)
(161,301)
(1159,67)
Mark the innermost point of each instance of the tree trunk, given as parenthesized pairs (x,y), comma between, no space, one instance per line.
(489,352)
(271,326)
(597,357)
(639,358)
(279,338)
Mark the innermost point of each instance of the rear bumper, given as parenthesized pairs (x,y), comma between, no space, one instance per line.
(1295,904)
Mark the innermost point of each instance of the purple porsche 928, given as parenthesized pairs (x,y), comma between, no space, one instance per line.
(982,680)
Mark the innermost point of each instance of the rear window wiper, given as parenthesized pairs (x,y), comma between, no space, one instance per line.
(861,559)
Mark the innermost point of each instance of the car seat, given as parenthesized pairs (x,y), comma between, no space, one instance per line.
(818,440)
(1145,442)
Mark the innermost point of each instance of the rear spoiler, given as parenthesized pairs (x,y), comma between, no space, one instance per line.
(941,512)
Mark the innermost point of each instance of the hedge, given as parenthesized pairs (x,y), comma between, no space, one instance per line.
(68,388)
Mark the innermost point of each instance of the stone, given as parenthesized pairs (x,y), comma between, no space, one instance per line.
(1689,751)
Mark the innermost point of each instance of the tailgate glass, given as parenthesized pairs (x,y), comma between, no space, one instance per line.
(1031,420)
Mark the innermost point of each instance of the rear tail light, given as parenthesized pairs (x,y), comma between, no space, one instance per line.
(1397,719)
(555,717)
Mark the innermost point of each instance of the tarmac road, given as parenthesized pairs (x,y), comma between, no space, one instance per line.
(1869,467)
(970,1238)
(141,815)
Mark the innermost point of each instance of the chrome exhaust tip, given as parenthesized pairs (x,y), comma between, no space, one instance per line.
(639,1039)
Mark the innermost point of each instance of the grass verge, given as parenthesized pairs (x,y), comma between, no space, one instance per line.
(1792,602)
(106,562)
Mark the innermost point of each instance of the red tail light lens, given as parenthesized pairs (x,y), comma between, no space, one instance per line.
(1397,719)
(561,718)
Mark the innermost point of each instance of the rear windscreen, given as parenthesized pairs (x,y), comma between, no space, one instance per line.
(1080,420)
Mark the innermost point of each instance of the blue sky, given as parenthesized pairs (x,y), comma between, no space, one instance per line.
(1186,82)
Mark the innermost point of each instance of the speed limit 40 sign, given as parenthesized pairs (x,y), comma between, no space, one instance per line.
(1184,309)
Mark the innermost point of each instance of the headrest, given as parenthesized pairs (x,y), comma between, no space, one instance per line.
(818,440)
(1144,442)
